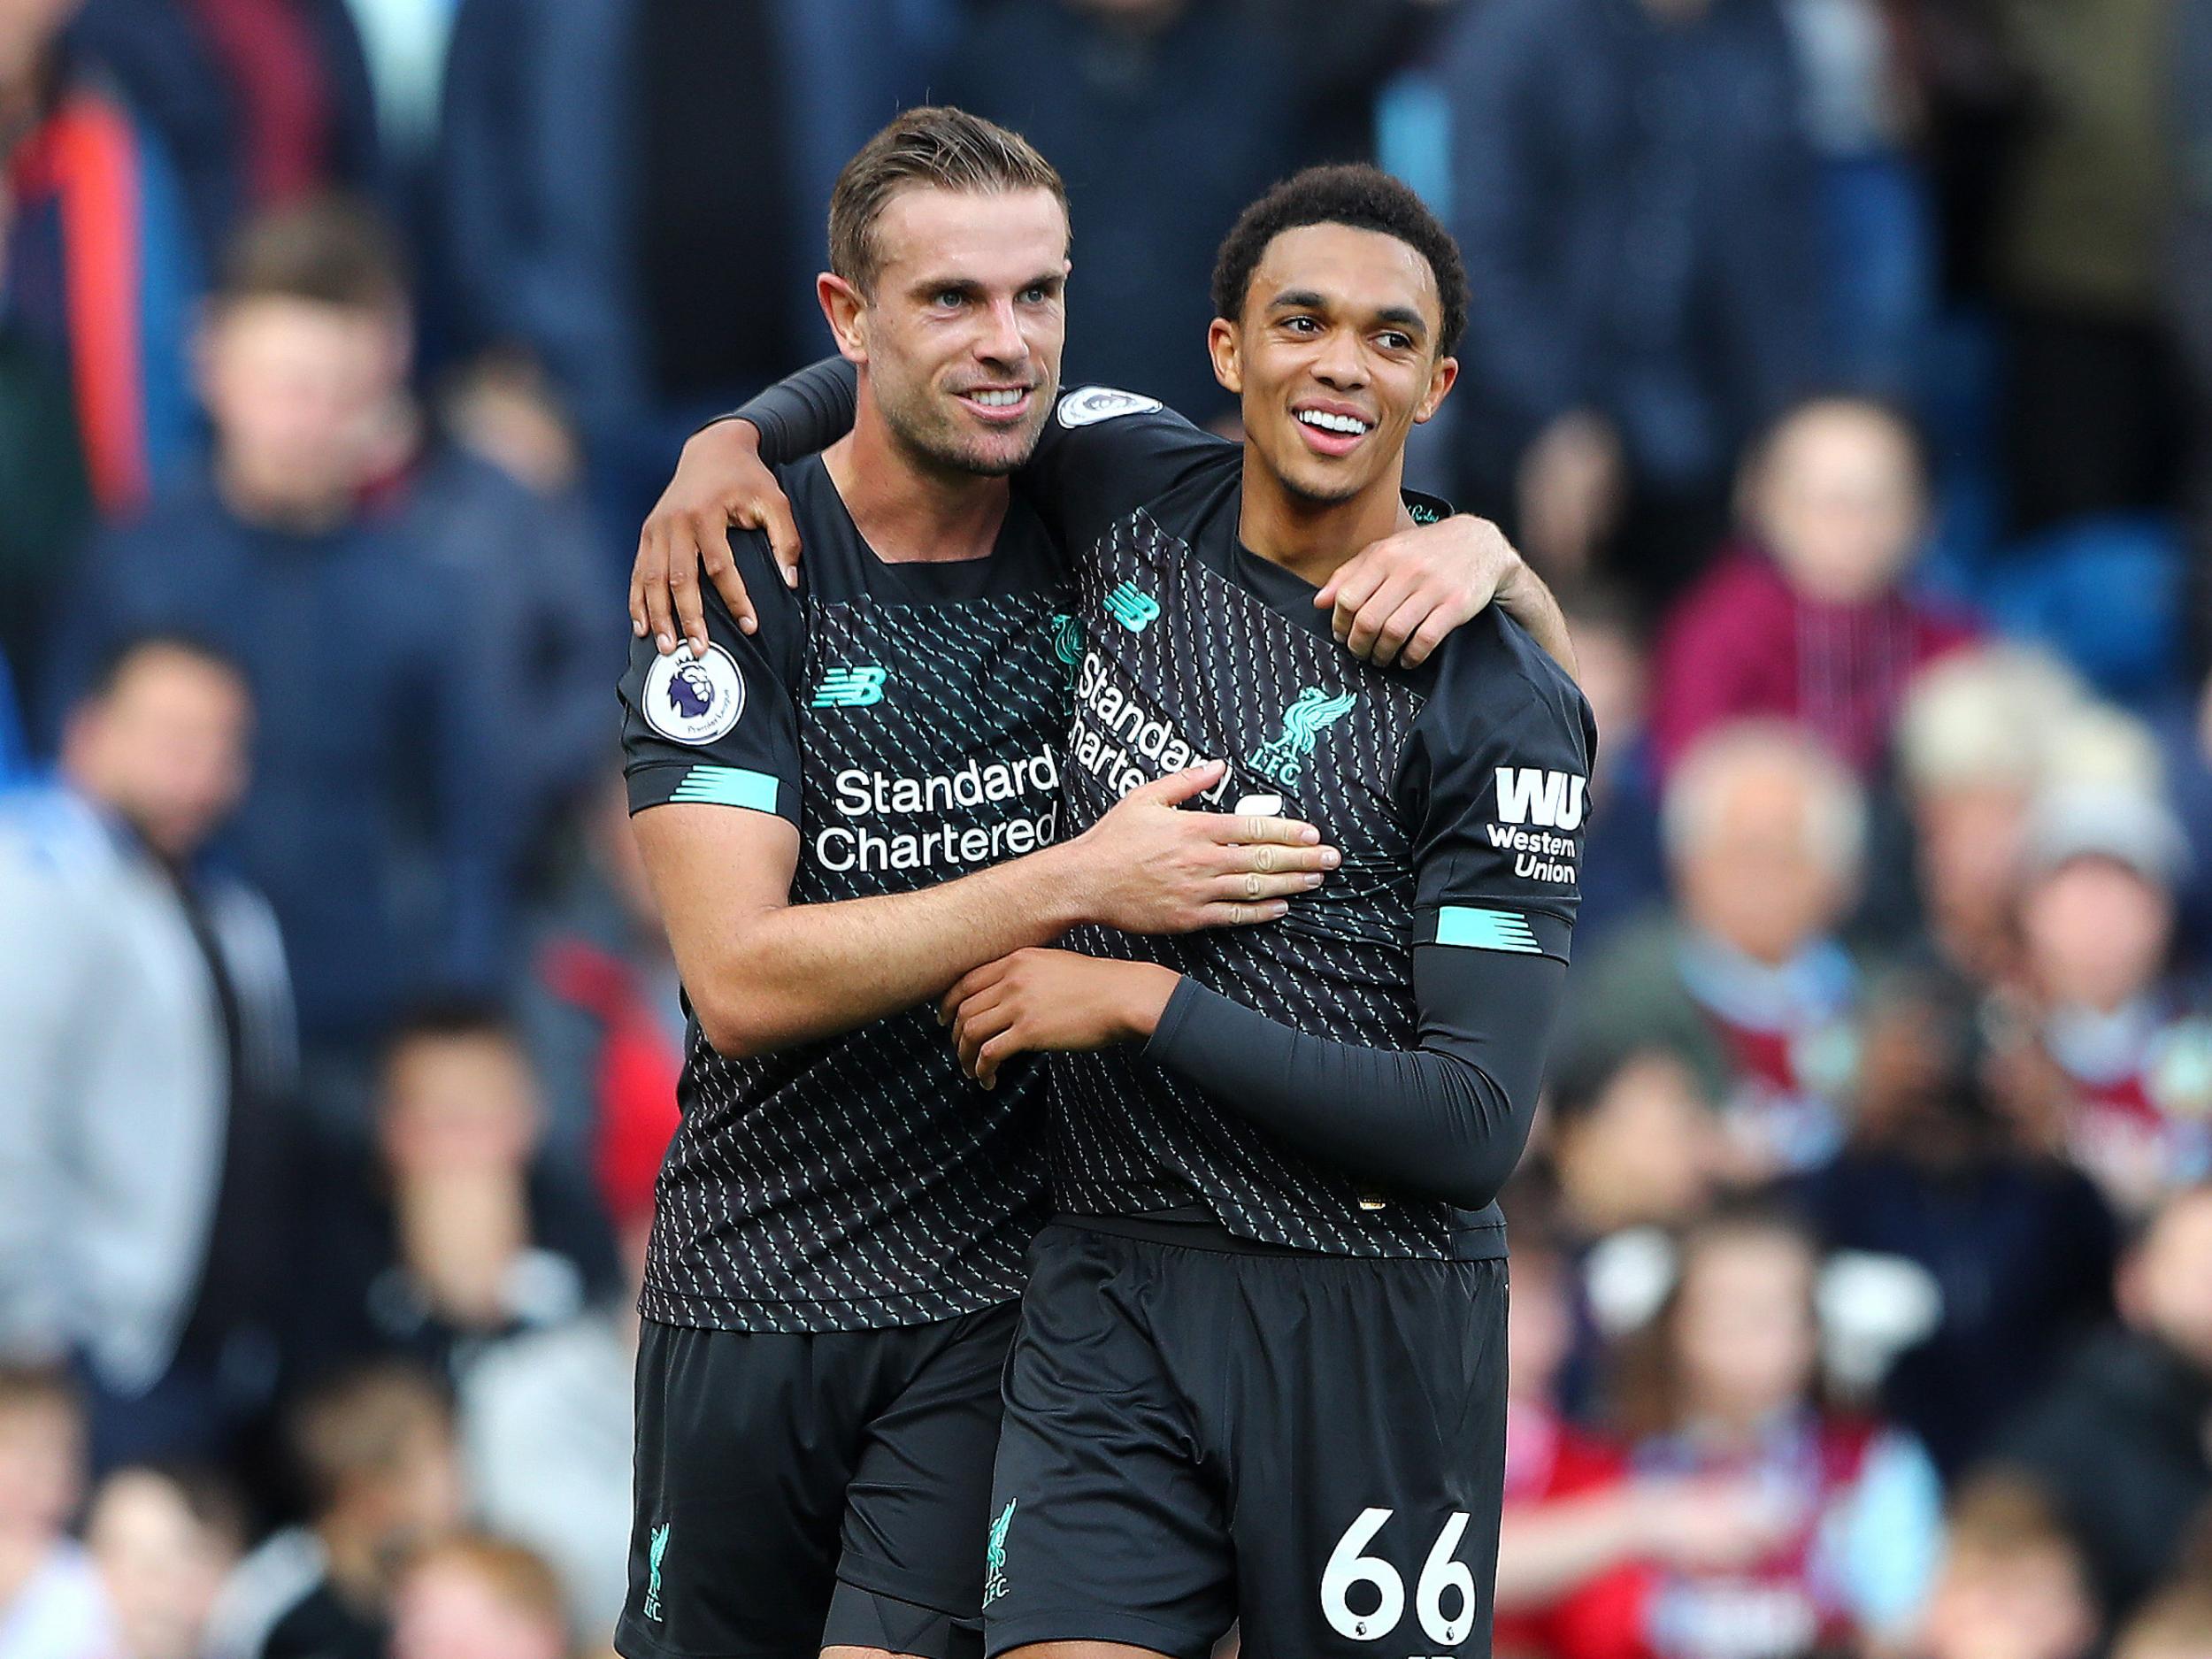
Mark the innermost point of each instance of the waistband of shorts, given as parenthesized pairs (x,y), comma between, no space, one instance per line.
(1468,1244)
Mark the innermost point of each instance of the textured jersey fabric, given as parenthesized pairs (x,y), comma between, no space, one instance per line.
(903,717)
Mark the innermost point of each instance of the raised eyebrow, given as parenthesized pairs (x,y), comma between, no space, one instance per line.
(1052,280)
(1298,299)
(966,287)
(1403,317)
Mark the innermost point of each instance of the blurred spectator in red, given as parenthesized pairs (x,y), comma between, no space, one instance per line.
(1579,1537)
(262,103)
(1725,1382)
(164,1540)
(455,1234)
(1975,738)
(146,1063)
(1636,200)
(602,1012)
(2014,1583)
(1811,620)
(2096,922)
(98,269)
(51,1602)
(1623,873)
(478,1598)
(2119,1441)
(337,555)
(1764,833)
(2020,1244)
(375,1452)
(2176,1624)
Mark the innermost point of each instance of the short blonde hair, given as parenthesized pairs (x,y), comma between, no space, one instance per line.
(932,146)
(1836,805)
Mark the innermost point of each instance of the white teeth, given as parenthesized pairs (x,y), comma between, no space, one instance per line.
(998,400)
(1348,423)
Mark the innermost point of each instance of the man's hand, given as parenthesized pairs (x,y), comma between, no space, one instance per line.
(1396,599)
(721,484)
(1150,867)
(1058,1000)
(1571,485)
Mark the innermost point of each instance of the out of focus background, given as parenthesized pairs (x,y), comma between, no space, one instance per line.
(1846,365)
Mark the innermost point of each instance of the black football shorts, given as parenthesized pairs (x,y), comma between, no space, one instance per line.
(1312,1445)
(801,1491)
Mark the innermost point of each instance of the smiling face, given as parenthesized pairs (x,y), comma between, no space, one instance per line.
(1334,358)
(959,329)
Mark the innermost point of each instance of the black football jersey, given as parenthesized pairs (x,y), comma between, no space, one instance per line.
(905,717)
(1455,793)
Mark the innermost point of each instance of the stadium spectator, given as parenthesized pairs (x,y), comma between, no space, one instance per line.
(1633,1139)
(1763,835)
(326,564)
(1724,1382)
(1635,199)
(453,1234)
(263,104)
(602,1012)
(478,1598)
(1580,1538)
(1810,620)
(2096,922)
(375,1452)
(2118,1440)
(2020,1243)
(1623,873)
(164,1540)
(45,502)
(2014,1584)
(51,1602)
(146,1065)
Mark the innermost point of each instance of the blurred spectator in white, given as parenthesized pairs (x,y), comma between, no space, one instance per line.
(98,270)
(2119,1441)
(164,1540)
(51,1602)
(1975,739)
(2014,1584)
(546,1432)
(146,1065)
(2175,1623)
(1812,619)
(375,1452)
(478,1598)
(1725,1382)
(2019,1243)
(1624,870)
(1582,1541)
(1764,833)
(418,704)
(632,191)
(602,1012)
(1637,203)
(263,104)
(2096,922)
(453,1234)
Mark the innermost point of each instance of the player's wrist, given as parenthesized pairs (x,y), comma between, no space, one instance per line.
(1143,991)
(1060,887)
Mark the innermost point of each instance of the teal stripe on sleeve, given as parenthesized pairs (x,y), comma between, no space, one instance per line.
(1485,930)
(728,786)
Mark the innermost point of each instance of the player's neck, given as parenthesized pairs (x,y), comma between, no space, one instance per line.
(1307,538)
(909,509)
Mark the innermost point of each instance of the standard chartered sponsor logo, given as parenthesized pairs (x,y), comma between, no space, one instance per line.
(1120,741)
(860,795)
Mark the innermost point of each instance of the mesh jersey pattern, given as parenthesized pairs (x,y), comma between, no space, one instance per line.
(864,1182)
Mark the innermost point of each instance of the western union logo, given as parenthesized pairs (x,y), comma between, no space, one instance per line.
(1485,930)
(728,786)
(849,687)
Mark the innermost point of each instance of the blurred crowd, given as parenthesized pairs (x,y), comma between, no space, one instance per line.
(1846,364)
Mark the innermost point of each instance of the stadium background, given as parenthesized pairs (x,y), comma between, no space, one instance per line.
(1864,1264)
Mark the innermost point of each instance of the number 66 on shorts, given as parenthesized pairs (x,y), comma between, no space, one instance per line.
(1444,1580)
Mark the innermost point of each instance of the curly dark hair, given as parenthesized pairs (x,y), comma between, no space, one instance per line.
(1365,198)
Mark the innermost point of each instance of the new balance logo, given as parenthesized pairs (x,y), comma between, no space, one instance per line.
(1133,607)
(1529,795)
(849,687)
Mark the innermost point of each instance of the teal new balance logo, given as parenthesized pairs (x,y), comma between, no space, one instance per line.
(1133,607)
(658,1548)
(849,687)
(1315,710)
(1474,929)
(994,1557)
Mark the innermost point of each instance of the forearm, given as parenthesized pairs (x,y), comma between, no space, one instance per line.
(1528,599)
(802,973)
(804,412)
(1551,1550)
